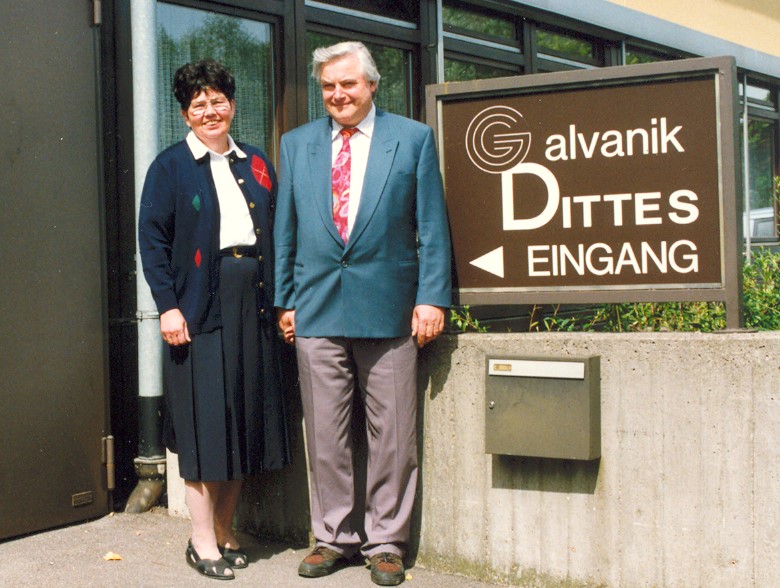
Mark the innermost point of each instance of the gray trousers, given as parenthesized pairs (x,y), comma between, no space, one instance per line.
(385,371)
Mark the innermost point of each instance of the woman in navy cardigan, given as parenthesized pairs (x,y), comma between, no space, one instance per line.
(205,242)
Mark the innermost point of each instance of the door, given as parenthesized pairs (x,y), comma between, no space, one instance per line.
(53,414)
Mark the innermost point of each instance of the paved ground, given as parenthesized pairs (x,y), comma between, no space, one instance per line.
(151,547)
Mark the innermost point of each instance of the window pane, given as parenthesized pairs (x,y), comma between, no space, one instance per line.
(459,71)
(469,20)
(636,55)
(761,157)
(406,10)
(633,57)
(759,96)
(243,46)
(394,66)
(565,45)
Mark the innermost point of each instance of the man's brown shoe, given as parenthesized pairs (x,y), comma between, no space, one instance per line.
(321,562)
(387,569)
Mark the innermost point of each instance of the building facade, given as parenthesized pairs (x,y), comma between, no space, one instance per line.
(268,44)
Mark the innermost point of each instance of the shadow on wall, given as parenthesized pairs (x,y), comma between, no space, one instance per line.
(276,504)
(540,474)
(435,362)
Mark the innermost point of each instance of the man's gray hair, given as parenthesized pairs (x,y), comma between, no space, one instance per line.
(324,55)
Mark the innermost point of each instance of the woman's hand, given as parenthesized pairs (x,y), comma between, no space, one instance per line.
(286,322)
(173,328)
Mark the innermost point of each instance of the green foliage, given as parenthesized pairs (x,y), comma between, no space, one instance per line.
(476,22)
(657,316)
(552,322)
(562,44)
(762,291)
(458,71)
(460,318)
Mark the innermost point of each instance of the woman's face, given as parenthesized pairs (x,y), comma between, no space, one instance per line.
(209,116)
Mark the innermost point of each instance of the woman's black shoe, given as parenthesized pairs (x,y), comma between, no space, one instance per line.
(218,569)
(237,559)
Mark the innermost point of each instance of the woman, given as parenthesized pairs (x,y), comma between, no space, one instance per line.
(205,243)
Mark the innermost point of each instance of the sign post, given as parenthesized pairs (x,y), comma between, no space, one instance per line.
(609,185)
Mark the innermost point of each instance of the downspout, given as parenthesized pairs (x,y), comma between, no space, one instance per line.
(150,463)
(439,43)
(746,166)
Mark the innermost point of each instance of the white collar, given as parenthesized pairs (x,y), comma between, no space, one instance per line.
(199,150)
(365,126)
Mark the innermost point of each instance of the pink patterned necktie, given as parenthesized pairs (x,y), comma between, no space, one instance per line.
(340,176)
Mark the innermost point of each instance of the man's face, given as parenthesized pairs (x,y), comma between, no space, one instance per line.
(345,91)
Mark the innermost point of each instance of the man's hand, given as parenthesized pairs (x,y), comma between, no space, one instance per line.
(173,328)
(285,319)
(427,323)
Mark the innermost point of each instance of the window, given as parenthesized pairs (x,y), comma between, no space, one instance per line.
(762,160)
(480,43)
(567,49)
(482,24)
(243,46)
(456,70)
(636,55)
(759,96)
(394,93)
(403,10)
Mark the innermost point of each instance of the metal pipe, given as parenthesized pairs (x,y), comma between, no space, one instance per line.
(439,43)
(746,165)
(150,464)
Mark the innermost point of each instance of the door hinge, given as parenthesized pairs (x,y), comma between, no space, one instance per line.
(108,461)
(97,12)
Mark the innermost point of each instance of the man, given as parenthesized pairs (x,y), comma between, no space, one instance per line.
(362,280)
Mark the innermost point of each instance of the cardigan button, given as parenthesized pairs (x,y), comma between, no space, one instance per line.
(261,285)
(259,258)
(240,181)
(258,231)
(251,205)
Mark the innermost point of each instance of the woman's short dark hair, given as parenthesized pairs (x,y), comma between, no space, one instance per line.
(193,78)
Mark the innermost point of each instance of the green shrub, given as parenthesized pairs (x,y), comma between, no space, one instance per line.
(461,319)
(762,293)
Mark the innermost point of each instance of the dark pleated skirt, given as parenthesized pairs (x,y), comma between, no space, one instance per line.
(226,414)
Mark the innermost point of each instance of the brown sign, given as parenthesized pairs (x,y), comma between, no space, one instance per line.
(609,186)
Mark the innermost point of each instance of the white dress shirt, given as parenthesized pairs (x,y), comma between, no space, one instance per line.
(235,224)
(359,145)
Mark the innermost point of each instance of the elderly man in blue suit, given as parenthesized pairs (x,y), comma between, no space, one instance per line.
(362,280)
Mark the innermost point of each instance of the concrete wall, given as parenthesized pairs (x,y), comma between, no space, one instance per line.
(686,492)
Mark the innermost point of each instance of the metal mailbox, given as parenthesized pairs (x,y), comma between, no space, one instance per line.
(543,407)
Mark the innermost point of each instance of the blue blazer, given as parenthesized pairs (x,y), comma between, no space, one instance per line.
(398,254)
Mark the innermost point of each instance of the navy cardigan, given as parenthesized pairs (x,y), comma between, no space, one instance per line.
(178,231)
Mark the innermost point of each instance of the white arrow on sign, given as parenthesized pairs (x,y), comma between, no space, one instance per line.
(492,262)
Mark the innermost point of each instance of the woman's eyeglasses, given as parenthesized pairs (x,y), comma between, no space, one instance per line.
(199,108)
